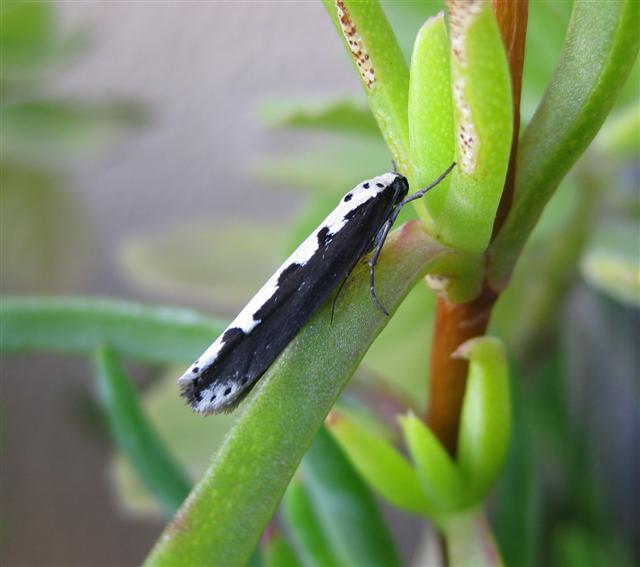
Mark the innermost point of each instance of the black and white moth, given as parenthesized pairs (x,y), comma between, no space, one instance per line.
(228,369)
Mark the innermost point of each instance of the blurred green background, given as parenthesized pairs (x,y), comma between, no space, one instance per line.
(175,152)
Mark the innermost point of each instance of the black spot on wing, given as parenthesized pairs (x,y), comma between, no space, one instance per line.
(365,185)
(231,337)
(286,275)
(348,197)
(323,236)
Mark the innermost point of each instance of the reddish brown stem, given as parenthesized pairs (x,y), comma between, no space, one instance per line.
(455,324)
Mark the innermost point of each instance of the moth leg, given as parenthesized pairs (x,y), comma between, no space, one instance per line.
(335,299)
(379,243)
(419,194)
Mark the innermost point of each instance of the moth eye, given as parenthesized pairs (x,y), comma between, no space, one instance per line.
(347,197)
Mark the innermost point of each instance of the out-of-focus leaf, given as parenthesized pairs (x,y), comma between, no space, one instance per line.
(620,135)
(276,551)
(308,535)
(26,34)
(574,546)
(469,541)
(384,468)
(54,129)
(221,521)
(549,263)
(44,236)
(191,438)
(345,507)
(376,55)
(342,116)
(612,262)
(326,172)
(135,436)
(485,421)
(223,262)
(600,49)
(79,325)
(517,527)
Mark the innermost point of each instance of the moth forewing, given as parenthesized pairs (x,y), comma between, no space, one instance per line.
(233,363)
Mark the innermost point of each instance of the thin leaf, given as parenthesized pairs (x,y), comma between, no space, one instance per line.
(79,325)
(135,436)
(517,528)
(276,551)
(600,49)
(346,507)
(308,534)
(223,518)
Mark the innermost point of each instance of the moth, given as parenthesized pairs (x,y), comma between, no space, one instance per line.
(231,366)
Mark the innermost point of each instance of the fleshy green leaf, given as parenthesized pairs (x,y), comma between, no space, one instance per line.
(135,436)
(342,116)
(439,475)
(383,467)
(485,422)
(600,49)
(346,507)
(308,534)
(464,212)
(79,325)
(221,521)
(383,72)
(431,126)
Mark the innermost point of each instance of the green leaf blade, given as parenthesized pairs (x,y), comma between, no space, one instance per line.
(80,325)
(136,437)
(309,536)
(346,507)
